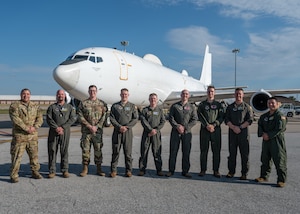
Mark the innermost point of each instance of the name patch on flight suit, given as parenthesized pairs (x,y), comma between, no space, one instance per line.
(186,108)
(155,113)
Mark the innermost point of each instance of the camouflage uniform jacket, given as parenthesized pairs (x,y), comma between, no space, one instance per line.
(23,115)
(184,115)
(92,113)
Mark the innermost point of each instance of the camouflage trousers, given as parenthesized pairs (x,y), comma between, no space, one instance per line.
(19,144)
(87,140)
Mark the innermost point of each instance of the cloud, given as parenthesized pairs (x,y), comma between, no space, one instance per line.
(191,39)
(268,56)
(245,9)
(277,52)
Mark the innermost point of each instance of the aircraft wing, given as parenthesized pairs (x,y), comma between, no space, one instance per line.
(257,99)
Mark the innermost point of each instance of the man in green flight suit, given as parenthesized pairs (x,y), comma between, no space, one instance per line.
(152,119)
(26,117)
(239,115)
(182,117)
(92,115)
(271,127)
(60,117)
(211,115)
(123,117)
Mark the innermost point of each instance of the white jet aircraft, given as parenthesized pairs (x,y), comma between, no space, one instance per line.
(110,70)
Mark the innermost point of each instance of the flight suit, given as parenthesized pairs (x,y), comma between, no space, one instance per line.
(92,113)
(237,115)
(274,148)
(210,114)
(151,119)
(23,116)
(186,116)
(59,116)
(122,115)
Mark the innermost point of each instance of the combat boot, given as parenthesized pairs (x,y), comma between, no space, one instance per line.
(66,174)
(99,170)
(36,175)
(84,170)
(51,175)
(14,180)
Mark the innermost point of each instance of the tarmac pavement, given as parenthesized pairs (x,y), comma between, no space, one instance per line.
(150,193)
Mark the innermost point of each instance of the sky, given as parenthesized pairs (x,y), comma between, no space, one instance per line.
(35,36)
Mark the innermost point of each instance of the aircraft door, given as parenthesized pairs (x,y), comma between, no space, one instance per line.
(123,66)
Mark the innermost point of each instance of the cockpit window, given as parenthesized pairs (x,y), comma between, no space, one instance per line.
(92,59)
(70,57)
(99,59)
(78,58)
(81,57)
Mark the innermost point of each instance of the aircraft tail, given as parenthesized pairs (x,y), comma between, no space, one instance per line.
(206,68)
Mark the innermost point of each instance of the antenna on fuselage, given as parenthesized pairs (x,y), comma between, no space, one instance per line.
(125,43)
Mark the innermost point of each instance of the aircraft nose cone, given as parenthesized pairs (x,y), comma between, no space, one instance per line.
(66,76)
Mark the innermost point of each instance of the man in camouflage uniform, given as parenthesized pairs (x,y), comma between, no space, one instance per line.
(26,117)
(211,115)
(182,117)
(152,119)
(271,127)
(239,115)
(123,117)
(92,115)
(60,117)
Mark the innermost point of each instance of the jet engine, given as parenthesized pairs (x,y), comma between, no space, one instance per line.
(259,100)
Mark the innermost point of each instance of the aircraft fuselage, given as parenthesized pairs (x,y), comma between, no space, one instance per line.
(111,69)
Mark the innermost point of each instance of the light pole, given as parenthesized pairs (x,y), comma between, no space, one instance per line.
(235,51)
(124,43)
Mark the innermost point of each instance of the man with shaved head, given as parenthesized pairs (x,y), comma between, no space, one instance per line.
(182,117)
(60,117)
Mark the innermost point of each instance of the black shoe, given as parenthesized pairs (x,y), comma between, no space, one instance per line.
(160,173)
(202,173)
(169,174)
(229,175)
(141,173)
(217,174)
(243,177)
(187,175)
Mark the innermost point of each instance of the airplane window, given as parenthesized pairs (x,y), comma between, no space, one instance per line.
(70,57)
(92,59)
(99,59)
(81,57)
